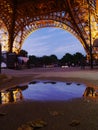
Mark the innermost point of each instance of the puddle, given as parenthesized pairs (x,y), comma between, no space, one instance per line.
(43,91)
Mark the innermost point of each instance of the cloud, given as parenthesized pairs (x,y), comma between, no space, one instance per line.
(52,29)
(69,48)
(38,51)
(38,38)
(35,41)
(52,41)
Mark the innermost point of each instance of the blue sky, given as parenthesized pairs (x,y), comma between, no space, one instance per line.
(48,41)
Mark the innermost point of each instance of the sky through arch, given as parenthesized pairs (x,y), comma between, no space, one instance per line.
(47,41)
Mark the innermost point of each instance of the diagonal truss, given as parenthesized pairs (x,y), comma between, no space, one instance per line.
(19,18)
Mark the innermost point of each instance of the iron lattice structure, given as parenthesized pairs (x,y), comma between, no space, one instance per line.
(19,18)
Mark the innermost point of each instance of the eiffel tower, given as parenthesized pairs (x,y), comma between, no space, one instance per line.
(19,18)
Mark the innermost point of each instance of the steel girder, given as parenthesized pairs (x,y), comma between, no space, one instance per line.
(19,18)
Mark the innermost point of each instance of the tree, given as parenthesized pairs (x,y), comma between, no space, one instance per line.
(45,60)
(67,59)
(49,60)
(35,61)
(23,53)
(53,59)
(78,58)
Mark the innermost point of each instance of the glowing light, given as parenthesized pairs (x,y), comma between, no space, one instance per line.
(11,96)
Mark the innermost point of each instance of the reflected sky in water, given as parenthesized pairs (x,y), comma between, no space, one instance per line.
(49,91)
(43,91)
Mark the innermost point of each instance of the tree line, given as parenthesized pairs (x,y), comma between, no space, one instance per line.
(77,59)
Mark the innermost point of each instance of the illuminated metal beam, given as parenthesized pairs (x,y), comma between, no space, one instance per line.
(22,17)
(97,6)
(90,35)
(12,28)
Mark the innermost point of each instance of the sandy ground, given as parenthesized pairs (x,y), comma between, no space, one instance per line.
(16,77)
(83,113)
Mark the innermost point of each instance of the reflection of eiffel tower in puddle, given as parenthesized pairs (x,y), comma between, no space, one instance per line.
(90,92)
(11,95)
(20,18)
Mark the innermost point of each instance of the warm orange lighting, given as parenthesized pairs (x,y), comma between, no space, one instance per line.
(11,96)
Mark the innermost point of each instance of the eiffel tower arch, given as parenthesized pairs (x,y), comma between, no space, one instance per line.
(19,18)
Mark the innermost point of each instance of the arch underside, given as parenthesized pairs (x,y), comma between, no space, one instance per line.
(22,17)
(38,25)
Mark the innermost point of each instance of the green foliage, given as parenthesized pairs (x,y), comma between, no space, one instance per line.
(68,59)
(71,60)
(23,53)
(78,58)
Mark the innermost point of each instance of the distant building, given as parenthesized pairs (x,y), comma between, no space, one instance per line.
(11,60)
(22,59)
